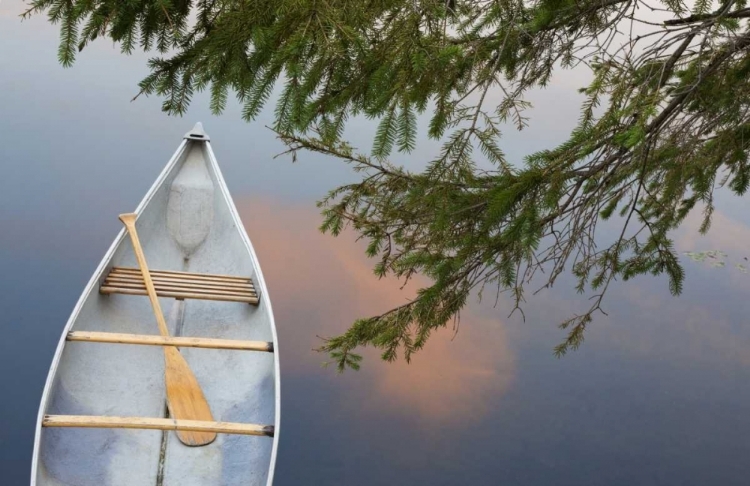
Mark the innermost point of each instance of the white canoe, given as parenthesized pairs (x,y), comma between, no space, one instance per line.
(193,240)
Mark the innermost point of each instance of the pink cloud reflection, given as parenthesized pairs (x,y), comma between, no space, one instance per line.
(319,284)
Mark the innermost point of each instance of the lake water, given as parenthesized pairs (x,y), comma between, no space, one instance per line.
(658,394)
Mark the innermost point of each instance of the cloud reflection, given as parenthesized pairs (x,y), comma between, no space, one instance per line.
(320,284)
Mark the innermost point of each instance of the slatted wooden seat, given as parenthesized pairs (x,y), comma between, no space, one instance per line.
(181,285)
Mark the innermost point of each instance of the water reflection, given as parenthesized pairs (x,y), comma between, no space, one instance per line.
(655,396)
(320,284)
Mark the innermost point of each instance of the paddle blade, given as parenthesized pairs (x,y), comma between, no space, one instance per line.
(185,398)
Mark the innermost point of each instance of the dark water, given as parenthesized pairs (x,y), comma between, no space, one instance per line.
(657,395)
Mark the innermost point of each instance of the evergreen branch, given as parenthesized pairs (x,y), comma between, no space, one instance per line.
(737,14)
(664,122)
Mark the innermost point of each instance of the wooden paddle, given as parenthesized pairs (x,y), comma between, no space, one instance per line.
(185,398)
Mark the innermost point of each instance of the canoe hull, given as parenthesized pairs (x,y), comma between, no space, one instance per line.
(128,380)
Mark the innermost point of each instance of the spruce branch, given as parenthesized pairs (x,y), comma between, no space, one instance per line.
(664,122)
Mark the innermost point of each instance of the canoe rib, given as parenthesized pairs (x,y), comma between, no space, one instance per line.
(181,341)
(181,285)
(104,422)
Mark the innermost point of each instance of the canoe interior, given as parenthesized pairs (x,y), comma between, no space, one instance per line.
(128,380)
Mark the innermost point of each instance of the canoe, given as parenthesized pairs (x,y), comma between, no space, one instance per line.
(102,418)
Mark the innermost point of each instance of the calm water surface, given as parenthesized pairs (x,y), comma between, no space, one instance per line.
(657,395)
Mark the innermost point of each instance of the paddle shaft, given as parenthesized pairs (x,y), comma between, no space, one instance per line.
(129,221)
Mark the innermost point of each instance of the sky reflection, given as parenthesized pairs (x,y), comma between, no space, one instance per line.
(655,396)
(320,284)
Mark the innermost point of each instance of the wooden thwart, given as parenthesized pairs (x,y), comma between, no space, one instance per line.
(97,421)
(181,285)
(183,342)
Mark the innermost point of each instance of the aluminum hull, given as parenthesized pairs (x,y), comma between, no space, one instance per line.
(128,380)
